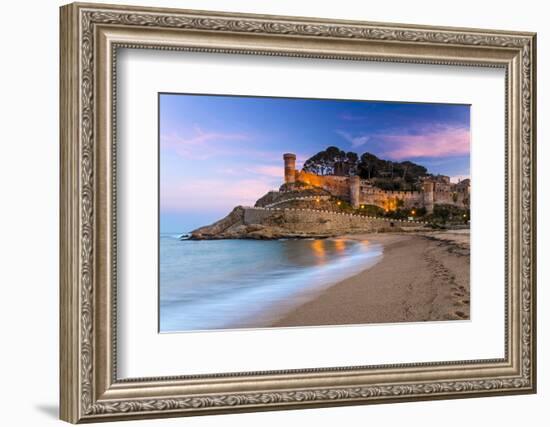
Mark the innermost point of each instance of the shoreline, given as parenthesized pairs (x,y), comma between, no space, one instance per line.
(421,276)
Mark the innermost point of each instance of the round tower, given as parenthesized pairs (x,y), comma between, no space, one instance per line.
(428,187)
(355,191)
(290,167)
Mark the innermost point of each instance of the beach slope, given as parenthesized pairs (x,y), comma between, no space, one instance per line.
(421,277)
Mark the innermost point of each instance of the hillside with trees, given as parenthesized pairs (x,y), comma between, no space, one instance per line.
(328,162)
(385,174)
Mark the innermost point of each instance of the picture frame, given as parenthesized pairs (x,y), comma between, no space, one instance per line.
(91,36)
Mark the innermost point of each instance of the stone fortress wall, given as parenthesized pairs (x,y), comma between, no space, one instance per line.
(338,186)
(323,221)
(275,223)
(437,190)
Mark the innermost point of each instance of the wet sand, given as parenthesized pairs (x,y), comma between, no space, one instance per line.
(421,277)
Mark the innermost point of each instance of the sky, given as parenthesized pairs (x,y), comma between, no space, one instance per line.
(217,152)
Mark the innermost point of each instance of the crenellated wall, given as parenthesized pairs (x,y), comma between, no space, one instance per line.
(322,221)
(276,223)
(390,199)
(338,186)
(361,192)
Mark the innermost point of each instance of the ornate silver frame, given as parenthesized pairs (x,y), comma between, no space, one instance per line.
(90,36)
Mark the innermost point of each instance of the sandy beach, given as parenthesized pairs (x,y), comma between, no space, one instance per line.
(421,277)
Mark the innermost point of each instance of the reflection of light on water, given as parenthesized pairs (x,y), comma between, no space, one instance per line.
(255,282)
(319,250)
(322,248)
(339,245)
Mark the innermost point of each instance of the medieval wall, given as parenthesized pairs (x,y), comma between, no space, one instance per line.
(440,191)
(388,199)
(337,185)
(323,222)
(449,197)
(340,186)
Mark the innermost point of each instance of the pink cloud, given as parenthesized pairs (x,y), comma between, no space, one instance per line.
(204,145)
(214,193)
(268,170)
(201,144)
(441,143)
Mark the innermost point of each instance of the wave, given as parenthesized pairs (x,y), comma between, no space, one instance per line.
(272,297)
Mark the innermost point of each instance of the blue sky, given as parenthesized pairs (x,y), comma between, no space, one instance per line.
(217,152)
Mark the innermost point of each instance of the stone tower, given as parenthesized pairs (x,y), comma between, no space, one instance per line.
(428,187)
(355,190)
(290,167)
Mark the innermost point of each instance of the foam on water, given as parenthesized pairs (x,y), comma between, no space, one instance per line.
(266,279)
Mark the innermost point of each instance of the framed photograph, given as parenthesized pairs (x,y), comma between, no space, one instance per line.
(265,212)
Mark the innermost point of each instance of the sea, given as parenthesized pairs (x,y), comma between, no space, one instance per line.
(233,284)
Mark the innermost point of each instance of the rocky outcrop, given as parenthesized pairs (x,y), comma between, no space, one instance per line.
(247,223)
(262,223)
(224,225)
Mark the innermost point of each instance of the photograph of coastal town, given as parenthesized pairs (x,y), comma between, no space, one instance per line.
(291,212)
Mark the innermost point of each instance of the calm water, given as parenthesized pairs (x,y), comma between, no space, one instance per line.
(218,284)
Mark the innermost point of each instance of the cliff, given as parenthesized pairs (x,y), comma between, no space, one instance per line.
(236,225)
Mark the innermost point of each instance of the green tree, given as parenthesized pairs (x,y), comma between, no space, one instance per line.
(389,175)
(326,162)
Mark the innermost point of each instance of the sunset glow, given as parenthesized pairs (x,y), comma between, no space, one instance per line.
(217,152)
